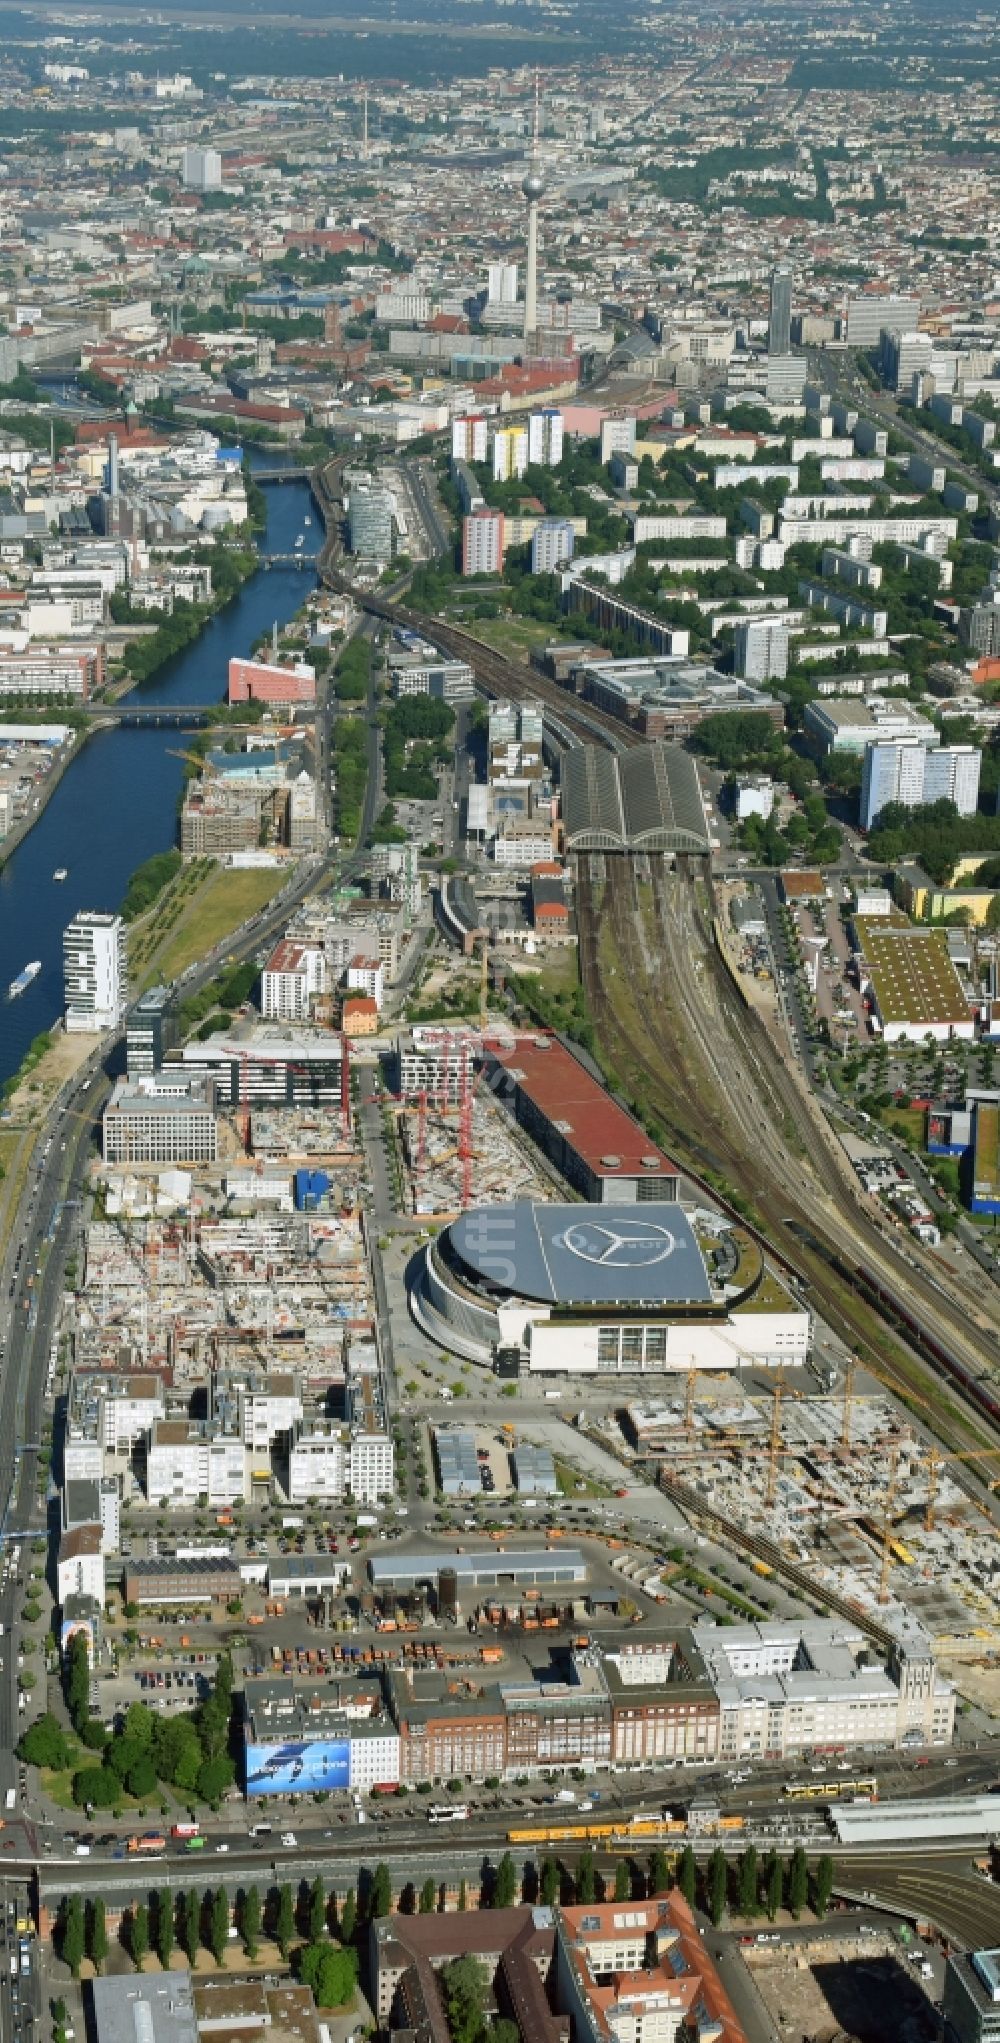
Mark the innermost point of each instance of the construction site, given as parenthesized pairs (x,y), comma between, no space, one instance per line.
(457,1144)
(847,1494)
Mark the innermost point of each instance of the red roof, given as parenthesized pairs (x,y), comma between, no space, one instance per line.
(609,1141)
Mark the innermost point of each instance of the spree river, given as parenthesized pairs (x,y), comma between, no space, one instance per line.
(117,802)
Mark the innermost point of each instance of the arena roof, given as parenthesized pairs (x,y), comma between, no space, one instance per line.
(647,799)
(575,1255)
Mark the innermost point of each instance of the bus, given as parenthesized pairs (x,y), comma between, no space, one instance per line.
(448,1812)
(831,1791)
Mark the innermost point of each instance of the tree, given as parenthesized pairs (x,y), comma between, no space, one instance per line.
(774,1885)
(717,1885)
(331,1973)
(548,1885)
(165,1927)
(191,1924)
(348,1918)
(138,1934)
(798,1882)
(44,1744)
(464,1986)
(428,1897)
(823,1885)
(748,1881)
(249,1921)
(505,1886)
(215,1775)
(463,1897)
(218,1925)
(97,1933)
(284,1927)
(96,1787)
(316,1911)
(687,1875)
(380,1892)
(141,1778)
(586,1877)
(623,1881)
(73,1940)
(659,1871)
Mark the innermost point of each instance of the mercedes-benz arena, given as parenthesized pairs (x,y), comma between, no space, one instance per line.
(579,1290)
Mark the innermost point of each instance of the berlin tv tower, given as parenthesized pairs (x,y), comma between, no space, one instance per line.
(532,186)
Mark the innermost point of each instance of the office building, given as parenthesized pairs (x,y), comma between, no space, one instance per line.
(483,543)
(761,650)
(779,325)
(979,628)
(501,283)
(903,356)
(156,2009)
(785,379)
(371,521)
(95,972)
(469,437)
(906,771)
(141,1124)
(971,2000)
(150,1031)
(201,170)
(552,543)
(871,314)
(545,438)
(191,1458)
(849,724)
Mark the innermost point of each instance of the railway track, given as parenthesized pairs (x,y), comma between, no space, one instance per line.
(677,1032)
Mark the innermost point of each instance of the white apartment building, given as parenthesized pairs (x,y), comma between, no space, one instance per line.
(80,1565)
(295,974)
(375,1748)
(469,437)
(267,1410)
(317,1461)
(617,435)
(371,1467)
(187,1459)
(761,649)
(501,283)
(686,525)
(483,542)
(201,170)
(130,1406)
(95,972)
(545,438)
(365,975)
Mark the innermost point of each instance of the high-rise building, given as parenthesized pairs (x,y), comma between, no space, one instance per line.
(510,453)
(869,315)
(979,627)
(785,378)
(95,972)
(779,325)
(468,437)
(906,771)
(201,170)
(761,650)
(553,541)
(971,2000)
(501,283)
(903,356)
(483,542)
(617,434)
(370,522)
(545,438)
(150,1032)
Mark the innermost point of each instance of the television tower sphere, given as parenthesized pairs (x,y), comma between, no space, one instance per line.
(533,185)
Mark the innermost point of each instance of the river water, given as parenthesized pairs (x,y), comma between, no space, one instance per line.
(117,803)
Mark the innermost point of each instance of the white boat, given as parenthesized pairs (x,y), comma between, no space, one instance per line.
(301,540)
(23,981)
(61,872)
(307,520)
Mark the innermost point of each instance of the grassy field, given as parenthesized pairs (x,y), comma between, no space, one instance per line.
(559,974)
(573,1483)
(909,1122)
(517,636)
(222,902)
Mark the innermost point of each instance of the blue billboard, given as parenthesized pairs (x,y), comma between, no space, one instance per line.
(298,1767)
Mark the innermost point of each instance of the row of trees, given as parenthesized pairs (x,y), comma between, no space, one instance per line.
(352,671)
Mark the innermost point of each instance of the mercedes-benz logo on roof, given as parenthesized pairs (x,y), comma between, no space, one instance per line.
(617,1248)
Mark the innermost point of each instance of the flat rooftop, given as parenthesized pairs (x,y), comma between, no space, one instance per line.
(912,974)
(579,1109)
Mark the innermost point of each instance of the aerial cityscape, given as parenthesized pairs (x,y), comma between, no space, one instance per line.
(499,1022)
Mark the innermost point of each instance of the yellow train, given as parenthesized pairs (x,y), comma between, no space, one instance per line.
(624,1832)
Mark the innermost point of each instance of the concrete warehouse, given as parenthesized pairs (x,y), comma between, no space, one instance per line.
(623,1291)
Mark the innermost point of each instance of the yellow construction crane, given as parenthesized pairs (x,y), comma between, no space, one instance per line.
(890,1498)
(775,1445)
(199,760)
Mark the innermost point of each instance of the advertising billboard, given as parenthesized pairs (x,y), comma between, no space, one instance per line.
(298,1767)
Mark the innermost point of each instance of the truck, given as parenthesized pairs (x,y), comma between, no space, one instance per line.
(564,1795)
(292,1524)
(198,1843)
(10,1799)
(184,1830)
(150,1841)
